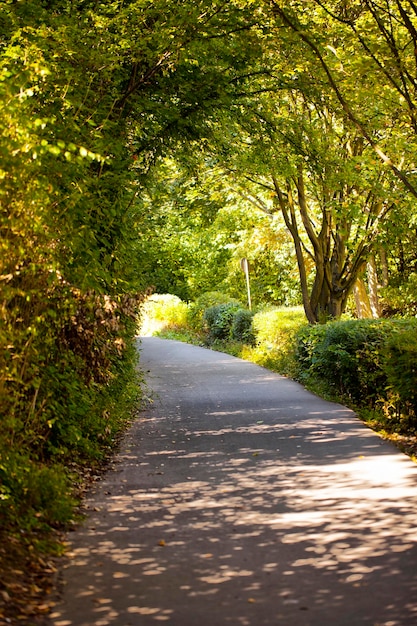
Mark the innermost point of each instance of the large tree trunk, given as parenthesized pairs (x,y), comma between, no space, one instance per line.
(328,295)
(334,273)
(363,307)
(286,204)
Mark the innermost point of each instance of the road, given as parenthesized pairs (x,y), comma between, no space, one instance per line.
(239,498)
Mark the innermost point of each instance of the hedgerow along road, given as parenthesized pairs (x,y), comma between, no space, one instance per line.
(239,498)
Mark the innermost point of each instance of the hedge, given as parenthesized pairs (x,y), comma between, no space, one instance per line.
(368,361)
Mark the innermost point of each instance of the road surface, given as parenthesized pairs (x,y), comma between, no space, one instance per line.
(238,498)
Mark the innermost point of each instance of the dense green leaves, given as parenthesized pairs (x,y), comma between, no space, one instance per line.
(91,95)
(158,143)
(368,361)
(195,227)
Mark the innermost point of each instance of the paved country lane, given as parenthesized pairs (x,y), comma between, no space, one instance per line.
(238,498)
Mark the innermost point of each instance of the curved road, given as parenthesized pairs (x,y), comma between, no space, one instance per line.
(238,498)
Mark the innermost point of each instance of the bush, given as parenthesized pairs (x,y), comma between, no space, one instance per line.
(400,367)
(68,378)
(31,493)
(242,327)
(275,327)
(347,355)
(274,330)
(163,311)
(196,310)
(366,360)
(307,340)
(219,320)
(229,322)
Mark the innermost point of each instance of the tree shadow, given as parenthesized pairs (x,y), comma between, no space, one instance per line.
(223,510)
(253,537)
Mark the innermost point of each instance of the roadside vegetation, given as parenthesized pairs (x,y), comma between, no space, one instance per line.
(150,146)
(367,364)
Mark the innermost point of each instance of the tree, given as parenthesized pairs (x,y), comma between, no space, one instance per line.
(296,133)
(332,215)
(92,94)
(195,229)
(386,33)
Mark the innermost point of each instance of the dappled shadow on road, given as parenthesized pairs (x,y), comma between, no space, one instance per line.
(249,533)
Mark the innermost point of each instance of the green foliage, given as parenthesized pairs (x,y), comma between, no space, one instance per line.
(368,361)
(91,94)
(33,494)
(195,315)
(225,320)
(400,297)
(274,330)
(69,389)
(275,326)
(307,340)
(400,367)
(163,312)
(196,229)
(219,320)
(241,329)
(345,354)
(94,100)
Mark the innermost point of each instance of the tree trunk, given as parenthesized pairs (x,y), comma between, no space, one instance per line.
(363,307)
(334,274)
(373,288)
(384,266)
(286,204)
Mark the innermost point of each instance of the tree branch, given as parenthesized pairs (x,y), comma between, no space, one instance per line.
(346,108)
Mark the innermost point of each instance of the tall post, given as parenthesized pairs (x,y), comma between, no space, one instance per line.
(244,264)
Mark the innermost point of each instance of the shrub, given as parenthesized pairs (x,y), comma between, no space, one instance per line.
(307,339)
(163,311)
(195,313)
(242,327)
(219,320)
(366,360)
(347,355)
(31,493)
(400,368)
(275,327)
(69,374)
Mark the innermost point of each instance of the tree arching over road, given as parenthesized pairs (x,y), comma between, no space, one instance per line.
(306,108)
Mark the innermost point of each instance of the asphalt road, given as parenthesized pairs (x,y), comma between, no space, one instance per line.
(238,498)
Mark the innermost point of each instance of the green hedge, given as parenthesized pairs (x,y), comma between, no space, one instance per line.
(68,391)
(400,367)
(242,327)
(229,321)
(196,311)
(368,361)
